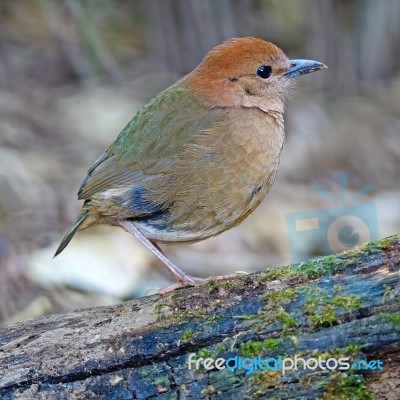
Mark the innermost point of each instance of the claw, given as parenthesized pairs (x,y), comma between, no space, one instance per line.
(193,281)
(171,288)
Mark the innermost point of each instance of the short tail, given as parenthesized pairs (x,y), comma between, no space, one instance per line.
(74,228)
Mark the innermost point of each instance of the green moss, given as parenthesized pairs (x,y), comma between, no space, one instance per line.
(385,243)
(394,318)
(157,310)
(228,283)
(212,283)
(263,376)
(251,348)
(205,353)
(373,247)
(341,385)
(215,284)
(208,391)
(322,317)
(183,316)
(174,297)
(220,348)
(264,381)
(347,387)
(311,269)
(162,380)
(186,334)
(275,273)
(322,307)
(316,268)
(279,296)
(330,262)
(272,313)
(288,322)
(249,317)
(351,349)
(346,301)
(272,344)
(269,314)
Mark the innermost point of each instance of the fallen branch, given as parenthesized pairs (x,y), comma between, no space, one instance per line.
(344,306)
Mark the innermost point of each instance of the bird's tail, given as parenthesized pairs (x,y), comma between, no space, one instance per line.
(74,228)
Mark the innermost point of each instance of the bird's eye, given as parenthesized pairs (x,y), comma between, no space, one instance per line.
(264,71)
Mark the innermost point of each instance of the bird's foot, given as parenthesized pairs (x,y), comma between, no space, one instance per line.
(189,280)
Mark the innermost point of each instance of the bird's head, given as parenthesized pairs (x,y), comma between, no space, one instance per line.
(247,72)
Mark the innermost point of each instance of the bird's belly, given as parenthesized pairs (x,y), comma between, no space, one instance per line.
(217,198)
(204,219)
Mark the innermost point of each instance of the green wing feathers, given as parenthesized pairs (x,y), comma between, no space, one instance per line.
(150,142)
(146,155)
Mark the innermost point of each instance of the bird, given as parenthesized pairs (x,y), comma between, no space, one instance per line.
(200,156)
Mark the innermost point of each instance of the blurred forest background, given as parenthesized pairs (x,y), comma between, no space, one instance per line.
(74,72)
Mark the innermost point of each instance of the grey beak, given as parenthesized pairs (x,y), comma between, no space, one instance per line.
(302,67)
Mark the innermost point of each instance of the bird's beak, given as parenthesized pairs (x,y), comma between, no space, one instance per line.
(301,67)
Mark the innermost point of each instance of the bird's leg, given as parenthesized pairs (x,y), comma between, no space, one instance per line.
(183,278)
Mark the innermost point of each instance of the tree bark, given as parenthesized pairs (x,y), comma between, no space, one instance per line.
(339,306)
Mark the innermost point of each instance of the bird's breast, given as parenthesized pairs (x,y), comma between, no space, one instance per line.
(254,139)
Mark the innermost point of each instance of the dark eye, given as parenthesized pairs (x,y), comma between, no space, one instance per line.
(264,71)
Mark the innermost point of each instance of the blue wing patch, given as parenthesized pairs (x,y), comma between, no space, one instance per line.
(140,204)
(152,216)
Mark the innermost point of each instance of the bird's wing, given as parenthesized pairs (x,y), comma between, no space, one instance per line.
(150,143)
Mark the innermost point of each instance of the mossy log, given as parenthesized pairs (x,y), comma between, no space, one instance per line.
(343,305)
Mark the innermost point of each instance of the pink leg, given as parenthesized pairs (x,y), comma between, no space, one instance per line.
(183,278)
